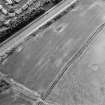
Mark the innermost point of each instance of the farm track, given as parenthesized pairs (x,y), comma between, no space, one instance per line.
(72,60)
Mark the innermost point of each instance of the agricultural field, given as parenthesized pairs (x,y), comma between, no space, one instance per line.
(37,63)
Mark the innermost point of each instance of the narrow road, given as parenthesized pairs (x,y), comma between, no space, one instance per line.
(20,37)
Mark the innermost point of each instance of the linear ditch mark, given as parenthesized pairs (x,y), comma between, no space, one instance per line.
(71,61)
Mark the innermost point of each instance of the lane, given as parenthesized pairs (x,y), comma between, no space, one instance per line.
(7,47)
(84,81)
